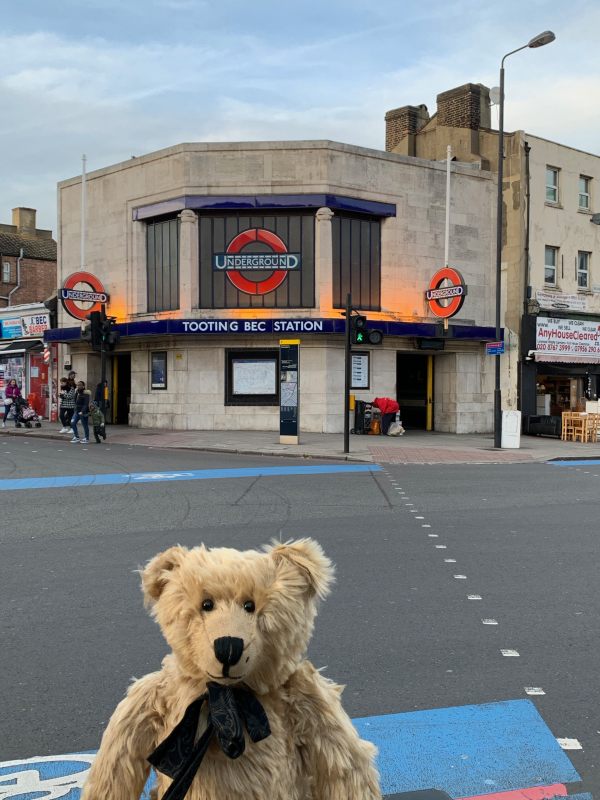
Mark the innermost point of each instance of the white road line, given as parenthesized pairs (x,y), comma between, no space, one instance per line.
(441,547)
(433,535)
(449,561)
(510,653)
(569,744)
(414,511)
(460,577)
(426,526)
(419,517)
(489,621)
(409,504)
(534,690)
(473,597)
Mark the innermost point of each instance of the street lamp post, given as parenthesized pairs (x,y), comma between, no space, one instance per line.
(538,41)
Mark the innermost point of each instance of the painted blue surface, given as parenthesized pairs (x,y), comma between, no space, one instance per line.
(588,462)
(109,479)
(467,750)
(238,202)
(276,326)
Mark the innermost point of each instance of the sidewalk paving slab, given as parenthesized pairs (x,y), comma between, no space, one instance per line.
(415,447)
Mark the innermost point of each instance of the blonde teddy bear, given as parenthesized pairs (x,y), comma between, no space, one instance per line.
(236,712)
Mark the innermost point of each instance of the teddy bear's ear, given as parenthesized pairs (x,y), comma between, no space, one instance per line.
(157,571)
(312,565)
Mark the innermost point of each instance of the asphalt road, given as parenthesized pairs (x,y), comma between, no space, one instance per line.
(398,628)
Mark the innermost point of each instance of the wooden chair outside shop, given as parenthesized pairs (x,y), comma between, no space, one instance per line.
(567,426)
(580,427)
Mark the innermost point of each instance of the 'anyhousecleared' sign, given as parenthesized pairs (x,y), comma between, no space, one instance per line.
(575,337)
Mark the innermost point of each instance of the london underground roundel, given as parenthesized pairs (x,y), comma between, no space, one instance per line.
(446,301)
(256,261)
(81,294)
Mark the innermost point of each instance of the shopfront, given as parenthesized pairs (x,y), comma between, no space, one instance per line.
(22,330)
(563,359)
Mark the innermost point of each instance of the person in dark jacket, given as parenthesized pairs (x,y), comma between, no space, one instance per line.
(67,404)
(11,393)
(97,421)
(82,410)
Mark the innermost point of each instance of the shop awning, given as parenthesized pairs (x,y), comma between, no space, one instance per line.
(565,358)
(21,346)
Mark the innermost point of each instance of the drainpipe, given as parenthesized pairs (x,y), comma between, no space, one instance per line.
(12,291)
(2,296)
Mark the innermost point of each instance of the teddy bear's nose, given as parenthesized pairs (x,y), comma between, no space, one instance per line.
(228,650)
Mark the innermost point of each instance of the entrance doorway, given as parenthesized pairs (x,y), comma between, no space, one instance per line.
(413,374)
(121,388)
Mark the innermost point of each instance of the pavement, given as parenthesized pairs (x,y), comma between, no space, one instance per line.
(414,447)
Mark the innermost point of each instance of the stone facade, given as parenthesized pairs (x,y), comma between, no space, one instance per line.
(412,247)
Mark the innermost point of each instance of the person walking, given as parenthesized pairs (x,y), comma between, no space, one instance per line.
(97,421)
(11,393)
(67,404)
(82,410)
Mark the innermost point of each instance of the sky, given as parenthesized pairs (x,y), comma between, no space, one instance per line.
(116,78)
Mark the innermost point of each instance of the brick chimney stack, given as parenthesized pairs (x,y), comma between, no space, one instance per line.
(403,122)
(24,220)
(466,106)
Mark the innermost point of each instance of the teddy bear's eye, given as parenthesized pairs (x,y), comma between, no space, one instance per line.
(249,606)
(208,604)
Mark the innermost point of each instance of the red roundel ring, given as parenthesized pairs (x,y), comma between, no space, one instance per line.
(70,283)
(455,304)
(274,280)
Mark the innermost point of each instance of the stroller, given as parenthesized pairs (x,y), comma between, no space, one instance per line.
(24,414)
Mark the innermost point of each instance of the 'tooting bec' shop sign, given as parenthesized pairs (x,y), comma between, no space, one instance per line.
(575,337)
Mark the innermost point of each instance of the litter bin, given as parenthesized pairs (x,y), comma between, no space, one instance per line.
(511,430)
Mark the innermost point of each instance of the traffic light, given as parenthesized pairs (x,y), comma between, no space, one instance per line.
(361,334)
(110,337)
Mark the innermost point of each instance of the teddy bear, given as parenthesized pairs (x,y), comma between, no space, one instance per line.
(236,712)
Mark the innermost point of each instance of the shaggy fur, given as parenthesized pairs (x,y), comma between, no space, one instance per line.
(314,753)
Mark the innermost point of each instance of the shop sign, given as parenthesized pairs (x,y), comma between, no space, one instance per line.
(257,326)
(268,269)
(81,294)
(35,324)
(446,301)
(575,337)
(558,300)
(11,328)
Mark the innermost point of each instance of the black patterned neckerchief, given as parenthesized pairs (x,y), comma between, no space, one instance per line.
(229,710)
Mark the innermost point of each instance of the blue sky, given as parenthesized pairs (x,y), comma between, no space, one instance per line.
(116,78)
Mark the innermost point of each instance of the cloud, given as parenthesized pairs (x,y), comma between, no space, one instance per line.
(229,71)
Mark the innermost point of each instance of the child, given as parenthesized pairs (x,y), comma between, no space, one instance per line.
(98,422)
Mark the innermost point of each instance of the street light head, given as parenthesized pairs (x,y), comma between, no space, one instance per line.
(541,39)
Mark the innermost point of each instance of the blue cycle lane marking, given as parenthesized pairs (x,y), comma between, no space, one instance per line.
(467,751)
(587,462)
(108,479)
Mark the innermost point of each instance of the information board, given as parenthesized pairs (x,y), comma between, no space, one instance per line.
(288,394)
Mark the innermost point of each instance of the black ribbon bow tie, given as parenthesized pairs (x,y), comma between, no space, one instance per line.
(229,709)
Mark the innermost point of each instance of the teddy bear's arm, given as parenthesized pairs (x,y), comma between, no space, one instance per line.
(120,768)
(341,765)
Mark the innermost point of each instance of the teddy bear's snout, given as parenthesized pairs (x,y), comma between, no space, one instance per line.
(228,650)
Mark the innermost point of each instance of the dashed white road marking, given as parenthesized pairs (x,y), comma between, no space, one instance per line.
(569,744)
(414,511)
(534,690)
(460,577)
(419,517)
(426,526)
(433,535)
(473,597)
(489,621)
(510,653)
(449,561)
(441,547)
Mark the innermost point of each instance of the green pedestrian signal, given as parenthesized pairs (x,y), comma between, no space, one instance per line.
(361,334)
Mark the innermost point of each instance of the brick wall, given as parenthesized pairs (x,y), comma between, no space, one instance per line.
(467,106)
(38,280)
(401,122)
